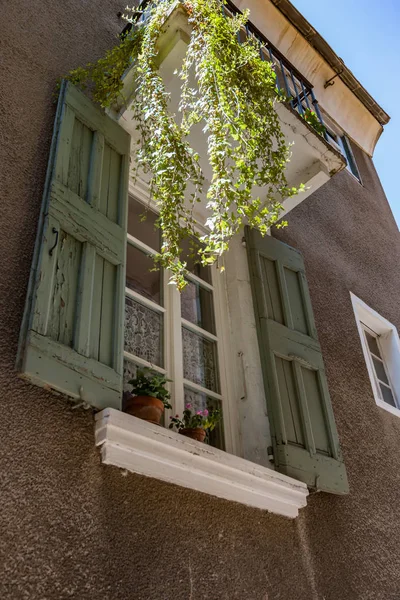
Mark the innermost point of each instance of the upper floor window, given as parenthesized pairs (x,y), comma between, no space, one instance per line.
(381,348)
(379,367)
(349,156)
(341,143)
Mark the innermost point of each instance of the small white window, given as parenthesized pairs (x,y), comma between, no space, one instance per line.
(381,347)
(349,156)
(380,371)
(339,140)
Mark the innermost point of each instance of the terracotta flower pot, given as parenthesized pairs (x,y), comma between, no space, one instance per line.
(196,433)
(145,407)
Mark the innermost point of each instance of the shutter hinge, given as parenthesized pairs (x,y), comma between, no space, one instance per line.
(83,400)
(270,451)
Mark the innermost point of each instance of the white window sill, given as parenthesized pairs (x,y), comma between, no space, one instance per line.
(140,447)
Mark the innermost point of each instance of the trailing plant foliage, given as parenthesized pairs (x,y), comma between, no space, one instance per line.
(312,119)
(231,92)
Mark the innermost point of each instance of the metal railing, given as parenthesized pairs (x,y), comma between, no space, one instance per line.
(289,81)
(296,88)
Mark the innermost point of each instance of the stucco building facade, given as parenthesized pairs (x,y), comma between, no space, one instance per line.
(73,527)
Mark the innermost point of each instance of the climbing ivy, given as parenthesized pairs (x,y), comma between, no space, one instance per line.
(232,94)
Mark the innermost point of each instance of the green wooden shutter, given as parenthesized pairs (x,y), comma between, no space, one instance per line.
(305,439)
(72,334)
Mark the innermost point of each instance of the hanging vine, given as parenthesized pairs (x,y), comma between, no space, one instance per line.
(226,87)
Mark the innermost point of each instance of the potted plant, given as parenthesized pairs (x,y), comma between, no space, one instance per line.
(149,397)
(196,424)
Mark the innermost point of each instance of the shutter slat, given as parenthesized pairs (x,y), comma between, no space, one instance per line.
(95,173)
(73,340)
(308,308)
(118,348)
(289,402)
(64,294)
(64,146)
(105,177)
(303,405)
(304,435)
(330,419)
(96,308)
(107,312)
(85,300)
(284,295)
(45,275)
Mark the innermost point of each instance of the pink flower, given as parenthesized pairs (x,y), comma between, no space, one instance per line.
(205,413)
(189,406)
(198,412)
(177,416)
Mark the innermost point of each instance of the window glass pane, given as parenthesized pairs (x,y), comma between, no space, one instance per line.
(372,344)
(200,360)
(200,401)
(197,306)
(190,248)
(387,395)
(140,277)
(144,229)
(380,370)
(130,370)
(143,332)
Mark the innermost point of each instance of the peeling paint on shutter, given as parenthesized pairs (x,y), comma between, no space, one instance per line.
(305,439)
(72,334)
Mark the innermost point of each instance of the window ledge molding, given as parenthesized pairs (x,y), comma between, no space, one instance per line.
(153,451)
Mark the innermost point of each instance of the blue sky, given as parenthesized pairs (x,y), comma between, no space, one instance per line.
(366,36)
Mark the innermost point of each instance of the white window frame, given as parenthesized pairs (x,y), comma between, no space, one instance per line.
(172,334)
(336,139)
(347,152)
(389,344)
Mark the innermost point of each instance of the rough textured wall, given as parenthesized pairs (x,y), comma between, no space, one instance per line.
(71,528)
(350,242)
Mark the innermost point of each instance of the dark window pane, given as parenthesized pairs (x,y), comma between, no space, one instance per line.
(387,395)
(296,301)
(197,306)
(200,401)
(143,332)
(144,230)
(190,248)
(351,163)
(380,370)
(200,360)
(373,344)
(140,277)
(331,137)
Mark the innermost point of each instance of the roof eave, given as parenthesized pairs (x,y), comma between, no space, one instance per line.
(335,62)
